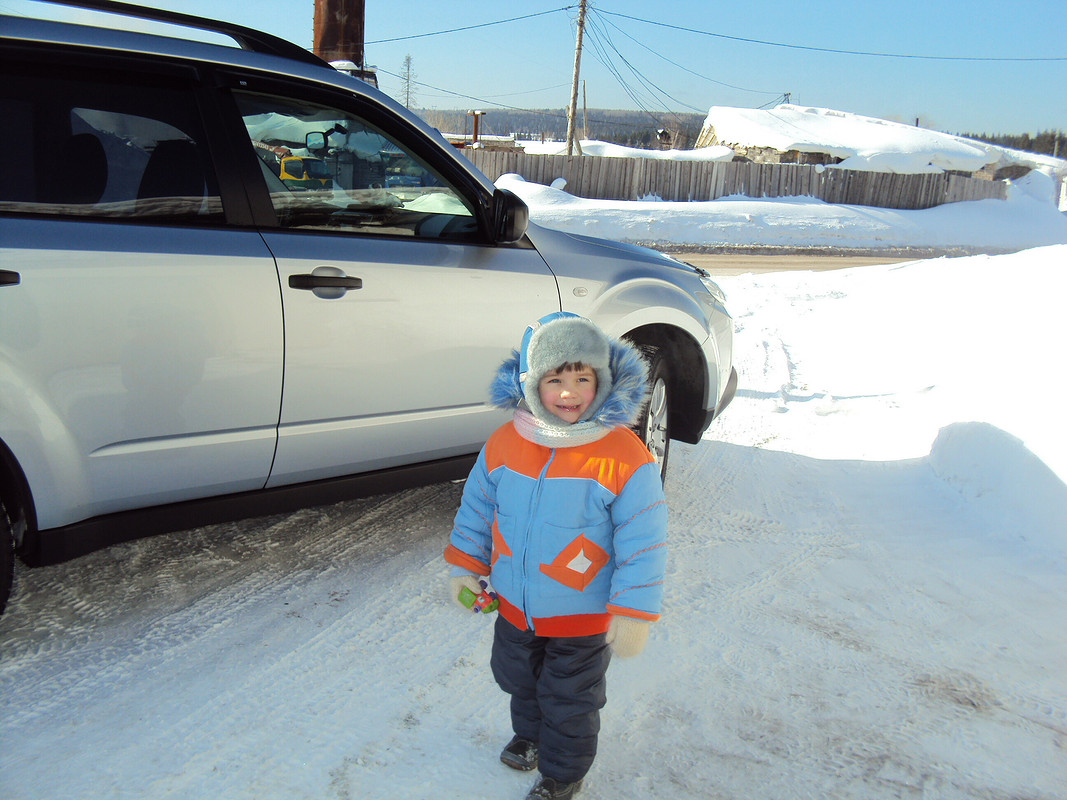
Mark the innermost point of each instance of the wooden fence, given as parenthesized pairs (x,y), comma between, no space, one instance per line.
(602,178)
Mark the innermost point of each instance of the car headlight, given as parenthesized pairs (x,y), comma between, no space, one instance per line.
(717,294)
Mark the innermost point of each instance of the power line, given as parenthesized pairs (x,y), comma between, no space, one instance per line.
(646,92)
(504,106)
(601,55)
(602,41)
(685,68)
(532,91)
(603,47)
(827,49)
(481,100)
(471,27)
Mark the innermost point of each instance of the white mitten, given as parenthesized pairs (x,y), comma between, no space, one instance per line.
(627,636)
(457,583)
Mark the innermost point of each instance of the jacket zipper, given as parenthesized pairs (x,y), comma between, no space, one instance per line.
(534,504)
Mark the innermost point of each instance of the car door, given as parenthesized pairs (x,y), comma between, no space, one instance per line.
(140,333)
(391,364)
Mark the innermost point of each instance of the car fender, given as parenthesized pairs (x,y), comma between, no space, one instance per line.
(626,288)
(43,448)
(642,302)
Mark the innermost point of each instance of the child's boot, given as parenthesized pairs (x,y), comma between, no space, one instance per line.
(551,789)
(520,754)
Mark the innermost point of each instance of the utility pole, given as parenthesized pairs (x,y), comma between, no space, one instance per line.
(572,112)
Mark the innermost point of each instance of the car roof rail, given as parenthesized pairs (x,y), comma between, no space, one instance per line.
(247,38)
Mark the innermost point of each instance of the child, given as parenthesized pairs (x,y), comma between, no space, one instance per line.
(564,509)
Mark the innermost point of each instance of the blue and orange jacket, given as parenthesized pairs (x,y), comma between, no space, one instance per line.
(569,535)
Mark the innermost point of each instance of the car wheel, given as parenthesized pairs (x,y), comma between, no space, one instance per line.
(7,557)
(654,427)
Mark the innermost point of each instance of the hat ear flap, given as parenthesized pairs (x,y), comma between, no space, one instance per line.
(506,390)
(629,389)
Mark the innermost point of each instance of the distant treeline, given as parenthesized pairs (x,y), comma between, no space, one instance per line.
(641,129)
(1049,143)
(630,128)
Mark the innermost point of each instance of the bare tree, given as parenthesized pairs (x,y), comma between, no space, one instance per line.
(407,75)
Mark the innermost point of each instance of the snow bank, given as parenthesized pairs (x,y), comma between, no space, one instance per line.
(982,225)
(1036,184)
(1014,491)
(963,339)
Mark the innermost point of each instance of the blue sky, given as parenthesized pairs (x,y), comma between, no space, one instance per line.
(694,56)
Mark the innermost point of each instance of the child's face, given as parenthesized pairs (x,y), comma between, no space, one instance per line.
(568,393)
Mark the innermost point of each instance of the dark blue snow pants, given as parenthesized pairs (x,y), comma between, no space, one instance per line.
(557,688)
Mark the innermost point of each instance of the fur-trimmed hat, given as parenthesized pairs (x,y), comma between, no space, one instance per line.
(566,338)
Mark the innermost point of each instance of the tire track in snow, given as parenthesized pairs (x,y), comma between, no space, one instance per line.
(916,699)
(715,529)
(257,565)
(305,553)
(779,633)
(714,520)
(354,748)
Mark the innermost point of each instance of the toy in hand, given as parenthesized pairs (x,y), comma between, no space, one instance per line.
(486,602)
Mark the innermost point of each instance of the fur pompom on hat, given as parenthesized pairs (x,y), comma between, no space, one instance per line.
(565,338)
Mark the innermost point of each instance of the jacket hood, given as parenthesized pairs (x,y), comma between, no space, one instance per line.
(622,374)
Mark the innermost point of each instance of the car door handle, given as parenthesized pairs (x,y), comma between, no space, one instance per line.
(8,278)
(329,283)
(322,281)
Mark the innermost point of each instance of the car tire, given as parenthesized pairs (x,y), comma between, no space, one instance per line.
(654,426)
(7,557)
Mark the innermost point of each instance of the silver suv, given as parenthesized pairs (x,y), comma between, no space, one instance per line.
(234,280)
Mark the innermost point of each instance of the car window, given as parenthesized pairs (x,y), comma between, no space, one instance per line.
(92,146)
(329,169)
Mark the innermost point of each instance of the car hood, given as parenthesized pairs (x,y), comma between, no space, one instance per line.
(574,255)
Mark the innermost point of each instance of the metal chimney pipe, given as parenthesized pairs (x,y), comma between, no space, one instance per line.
(339,26)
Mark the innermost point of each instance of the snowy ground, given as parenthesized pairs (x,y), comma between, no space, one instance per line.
(1028,219)
(867,581)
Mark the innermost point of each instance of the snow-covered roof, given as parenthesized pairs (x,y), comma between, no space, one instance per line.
(864,143)
(591,147)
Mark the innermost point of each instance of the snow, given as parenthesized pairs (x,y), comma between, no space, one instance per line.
(1020,222)
(591,147)
(865,143)
(865,596)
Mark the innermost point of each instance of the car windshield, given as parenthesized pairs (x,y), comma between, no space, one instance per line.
(314,168)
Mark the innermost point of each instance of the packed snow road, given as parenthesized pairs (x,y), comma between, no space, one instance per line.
(858,609)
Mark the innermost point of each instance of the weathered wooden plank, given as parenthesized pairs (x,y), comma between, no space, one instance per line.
(621,179)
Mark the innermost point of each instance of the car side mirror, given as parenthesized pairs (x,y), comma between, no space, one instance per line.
(315,141)
(511,217)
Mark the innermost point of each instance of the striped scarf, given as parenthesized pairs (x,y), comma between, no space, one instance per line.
(552,436)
